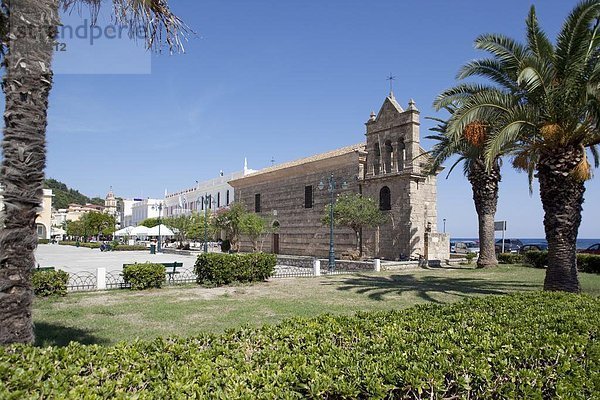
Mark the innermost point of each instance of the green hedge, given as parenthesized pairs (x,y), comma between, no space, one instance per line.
(144,276)
(213,269)
(43,241)
(50,283)
(536,345)
(509,258)
(589,263)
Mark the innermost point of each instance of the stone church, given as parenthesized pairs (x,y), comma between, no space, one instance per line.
(387,168)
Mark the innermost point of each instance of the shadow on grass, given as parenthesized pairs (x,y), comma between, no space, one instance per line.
(59,335)
(426,287)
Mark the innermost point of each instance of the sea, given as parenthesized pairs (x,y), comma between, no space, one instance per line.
(581,243)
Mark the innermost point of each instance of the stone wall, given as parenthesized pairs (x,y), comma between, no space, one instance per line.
(438,246)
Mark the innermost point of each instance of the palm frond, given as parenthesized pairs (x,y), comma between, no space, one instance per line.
(537,41)
(491,69)
(152,17)
(506,50)
(573,42)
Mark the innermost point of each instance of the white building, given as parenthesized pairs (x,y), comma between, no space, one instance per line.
(142,210)
(217,193)
(126,212)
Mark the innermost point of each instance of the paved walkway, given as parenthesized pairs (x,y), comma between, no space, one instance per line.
(78,259)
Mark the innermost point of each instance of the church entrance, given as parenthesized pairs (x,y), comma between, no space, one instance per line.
(276,243)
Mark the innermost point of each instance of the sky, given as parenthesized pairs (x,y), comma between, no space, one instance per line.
(278,80)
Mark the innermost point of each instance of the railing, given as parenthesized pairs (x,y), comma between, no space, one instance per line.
(287,267)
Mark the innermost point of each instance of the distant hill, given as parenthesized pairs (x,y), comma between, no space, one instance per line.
(63,195)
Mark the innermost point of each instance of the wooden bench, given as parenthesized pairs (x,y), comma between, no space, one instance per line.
(44,268)
(170,269)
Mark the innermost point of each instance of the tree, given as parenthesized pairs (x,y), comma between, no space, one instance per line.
(29,38)
(76,229)
(355,212)
(150,222)
(546,104)
(99,224)
(254,226)
(470,148)
(229,222)
(181,225)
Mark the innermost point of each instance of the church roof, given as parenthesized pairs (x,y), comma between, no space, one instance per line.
(317,157)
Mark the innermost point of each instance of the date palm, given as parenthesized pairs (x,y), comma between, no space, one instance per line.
(29,28)
(546,104)
(470,151)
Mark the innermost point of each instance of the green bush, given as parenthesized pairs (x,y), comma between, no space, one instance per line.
(588,263)
(50,283)
(144,276)
(537,259)
(510,258)
(126,247)
(535,345)
(214,269)
(470,257)
(90,245)
(43,241)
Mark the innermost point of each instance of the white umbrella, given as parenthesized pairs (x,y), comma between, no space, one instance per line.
(164,231)
(140,230)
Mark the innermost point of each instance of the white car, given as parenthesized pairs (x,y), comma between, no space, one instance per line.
(466,247)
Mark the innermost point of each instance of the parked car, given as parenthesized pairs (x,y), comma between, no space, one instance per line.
(466,247)
(533,247)
(510,245)
(452,247)
(593,249)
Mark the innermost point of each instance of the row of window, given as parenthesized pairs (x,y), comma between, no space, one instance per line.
(385,199)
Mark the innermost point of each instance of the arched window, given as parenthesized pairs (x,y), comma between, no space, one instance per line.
(401,154)
(388,157)
(385,199)
(376,159)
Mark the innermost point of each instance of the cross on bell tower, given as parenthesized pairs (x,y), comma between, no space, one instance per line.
(391,78)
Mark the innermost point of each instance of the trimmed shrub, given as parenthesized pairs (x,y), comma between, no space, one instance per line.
(50,283)
(588,263)
(126,247)
(535,345)
(537,259)
(214,269)
(144,276)
(470,257)
(43,241)
(510,258)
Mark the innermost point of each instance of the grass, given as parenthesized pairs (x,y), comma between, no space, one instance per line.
(106,318)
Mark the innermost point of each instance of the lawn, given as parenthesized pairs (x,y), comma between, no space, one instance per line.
(106,318)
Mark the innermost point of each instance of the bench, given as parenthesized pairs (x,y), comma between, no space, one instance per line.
(170,269)
(45,268)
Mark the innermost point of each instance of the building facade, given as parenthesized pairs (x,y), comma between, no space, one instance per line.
(213,194)
(387,168)
(144,209)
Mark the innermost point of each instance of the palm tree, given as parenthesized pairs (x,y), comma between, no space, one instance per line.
(29,28)
(546,104)
(484,181)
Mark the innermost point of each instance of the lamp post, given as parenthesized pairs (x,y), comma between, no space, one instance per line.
(444,225)
(331,187)
(207,202)
(158,207)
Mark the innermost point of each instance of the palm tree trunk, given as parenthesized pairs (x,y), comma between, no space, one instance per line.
(27,84)
(485,195)
(562,199)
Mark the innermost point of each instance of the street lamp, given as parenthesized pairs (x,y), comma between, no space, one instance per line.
(331,188)
(158,207)
(444,225)
(207,202)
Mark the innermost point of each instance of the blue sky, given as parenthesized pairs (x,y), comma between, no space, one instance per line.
(283,80)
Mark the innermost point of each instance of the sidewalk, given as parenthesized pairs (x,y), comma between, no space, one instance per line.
(78,259)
